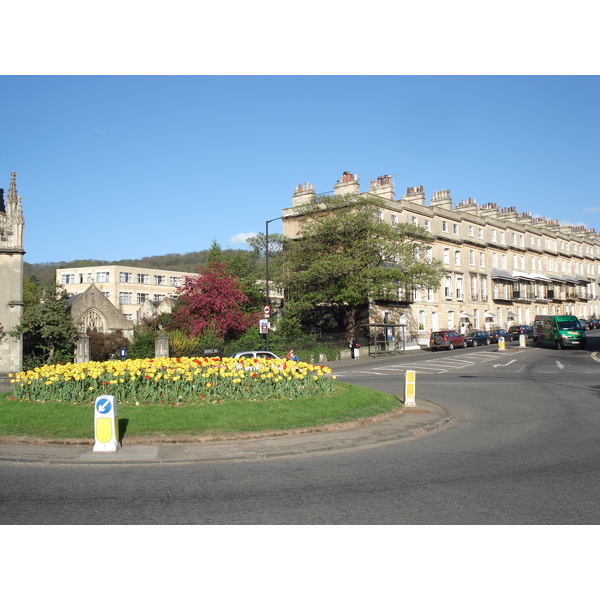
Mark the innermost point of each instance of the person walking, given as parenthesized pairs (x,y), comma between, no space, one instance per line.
(354,348)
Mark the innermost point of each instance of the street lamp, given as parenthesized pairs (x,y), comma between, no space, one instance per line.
(267,265)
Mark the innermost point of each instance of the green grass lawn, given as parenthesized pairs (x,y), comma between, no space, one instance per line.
(65,421)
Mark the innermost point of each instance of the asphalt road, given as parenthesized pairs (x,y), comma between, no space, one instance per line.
(522,449)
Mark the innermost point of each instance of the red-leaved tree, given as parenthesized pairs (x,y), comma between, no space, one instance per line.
(212,301)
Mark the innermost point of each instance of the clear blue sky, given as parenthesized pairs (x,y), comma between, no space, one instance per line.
(116,167)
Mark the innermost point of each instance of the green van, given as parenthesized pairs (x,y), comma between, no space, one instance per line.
(559,331)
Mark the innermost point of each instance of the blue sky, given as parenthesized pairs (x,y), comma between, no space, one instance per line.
(116,167)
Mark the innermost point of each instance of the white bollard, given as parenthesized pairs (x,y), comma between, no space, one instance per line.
(522,341)
(409,388)
(106,425)
(501,346)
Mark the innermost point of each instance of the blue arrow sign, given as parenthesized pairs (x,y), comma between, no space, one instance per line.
(103,406)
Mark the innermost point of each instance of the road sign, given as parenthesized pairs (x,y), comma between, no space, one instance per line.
(263,325)
(106,424)
(267,311)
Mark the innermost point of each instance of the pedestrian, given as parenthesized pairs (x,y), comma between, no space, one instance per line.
(354,346)
(292,356)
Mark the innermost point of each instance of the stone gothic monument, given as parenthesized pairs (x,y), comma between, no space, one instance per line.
(11,280)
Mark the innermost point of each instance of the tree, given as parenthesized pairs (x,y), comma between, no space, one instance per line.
(212,301)
(48,324)
(346,255)
(105,345)
(259,244)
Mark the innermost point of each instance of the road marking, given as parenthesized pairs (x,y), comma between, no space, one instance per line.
(559,364)
(506,364)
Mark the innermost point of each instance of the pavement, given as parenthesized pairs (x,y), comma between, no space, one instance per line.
(403,424)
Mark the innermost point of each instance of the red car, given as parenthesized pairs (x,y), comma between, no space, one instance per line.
(449,339)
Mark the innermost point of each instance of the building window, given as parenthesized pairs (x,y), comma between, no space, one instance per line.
(143,278)
(493,235)
(103,276)
(445,226)
(471,231)
(457,258)
(141,298)
(447,256)
(126,277)
(495,260)
(428,225)
(380,216)
(125,298)
(503,261)
(472,257)
(480,233)
(459,289)
(394,219)
(514,239)
(159,297)
(455,229)
(502,237)
(67,278)
(174,281)
(160,280)
(448,287)
(415,220)
(482,260)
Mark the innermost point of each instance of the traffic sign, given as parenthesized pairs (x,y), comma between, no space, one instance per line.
(267,311)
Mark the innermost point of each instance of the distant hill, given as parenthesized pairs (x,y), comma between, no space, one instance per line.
(43,273)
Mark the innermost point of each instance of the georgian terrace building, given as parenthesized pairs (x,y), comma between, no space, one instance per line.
(502,267)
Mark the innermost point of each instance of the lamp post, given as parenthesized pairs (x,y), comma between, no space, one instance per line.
(267,266)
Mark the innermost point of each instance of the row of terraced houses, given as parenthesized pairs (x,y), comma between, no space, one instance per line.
(502,267)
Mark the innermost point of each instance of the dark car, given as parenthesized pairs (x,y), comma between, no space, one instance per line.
(498,333)
(594,324)
(447,338)
(478,338)
(517,330)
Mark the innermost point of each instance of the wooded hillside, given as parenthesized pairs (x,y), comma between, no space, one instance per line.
(192,261)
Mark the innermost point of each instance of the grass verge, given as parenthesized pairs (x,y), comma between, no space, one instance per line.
(64,421)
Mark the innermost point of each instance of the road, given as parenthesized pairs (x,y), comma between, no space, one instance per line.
(522,449)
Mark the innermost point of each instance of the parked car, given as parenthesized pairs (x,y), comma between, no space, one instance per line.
(584,324)
(448,339)
(255,354)
(498,333)
(478,338)
(594,324)
(517,330)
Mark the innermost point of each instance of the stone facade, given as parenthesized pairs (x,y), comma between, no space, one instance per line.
(12,226)
(92,311)
(502,267)
(131,290)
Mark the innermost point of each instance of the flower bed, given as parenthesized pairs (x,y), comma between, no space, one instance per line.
(174,381)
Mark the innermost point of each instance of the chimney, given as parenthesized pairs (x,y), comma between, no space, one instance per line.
(303,194)
(383,187)
(441,199)
(348,183)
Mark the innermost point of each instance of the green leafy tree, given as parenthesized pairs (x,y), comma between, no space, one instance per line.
(259,244)
(48,325)
(346,255)
(103,346)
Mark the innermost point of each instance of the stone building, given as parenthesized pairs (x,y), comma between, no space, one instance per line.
(502,267)
(136,292)
(11,279)
(92,311)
